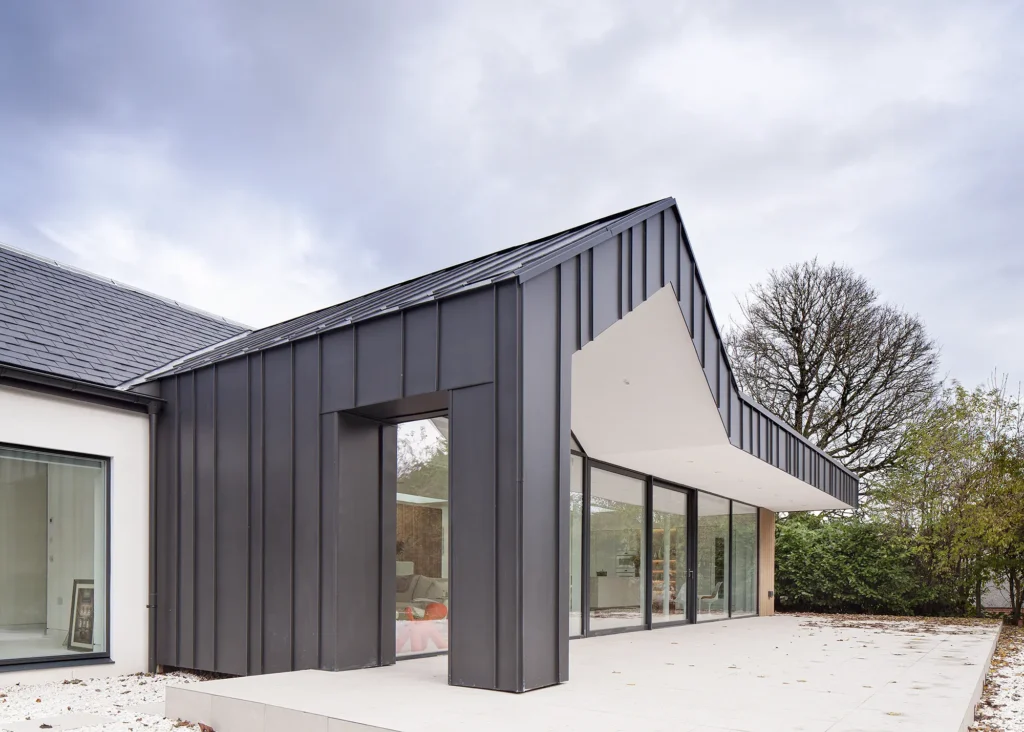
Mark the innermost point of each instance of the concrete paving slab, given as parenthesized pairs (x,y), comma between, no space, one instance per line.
(776,674)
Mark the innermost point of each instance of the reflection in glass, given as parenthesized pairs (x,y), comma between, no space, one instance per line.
(53,555)
(668,556)
(712,557)
(744,559)
(421,528)
(575,545)
(616,550)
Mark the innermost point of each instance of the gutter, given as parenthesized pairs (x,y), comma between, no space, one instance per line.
(64,386)
(151,605)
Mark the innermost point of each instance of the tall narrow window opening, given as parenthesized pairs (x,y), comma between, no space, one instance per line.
(422,538)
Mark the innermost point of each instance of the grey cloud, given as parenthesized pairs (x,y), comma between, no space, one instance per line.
(401,137)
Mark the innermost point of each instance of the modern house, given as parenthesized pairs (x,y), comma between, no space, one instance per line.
(996,598)
(540,444)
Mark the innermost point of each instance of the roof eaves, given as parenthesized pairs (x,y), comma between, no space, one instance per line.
(65,385)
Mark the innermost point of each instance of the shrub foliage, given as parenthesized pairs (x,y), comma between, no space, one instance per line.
(845,564)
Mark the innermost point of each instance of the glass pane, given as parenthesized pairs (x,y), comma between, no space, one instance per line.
(575,545)
(53,555)
(712,557)
(668,556)
(616,550)
(744,559)
(421,528)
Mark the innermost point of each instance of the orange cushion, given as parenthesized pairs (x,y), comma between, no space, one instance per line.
(435,611)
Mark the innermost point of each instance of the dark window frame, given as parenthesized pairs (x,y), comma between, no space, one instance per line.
(22,663)
(691,587)
(584,544)
(757,559)
(645,624)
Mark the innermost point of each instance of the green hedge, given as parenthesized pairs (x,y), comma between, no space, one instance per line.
(848,565)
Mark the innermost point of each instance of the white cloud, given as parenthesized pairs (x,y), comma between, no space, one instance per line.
(128,213)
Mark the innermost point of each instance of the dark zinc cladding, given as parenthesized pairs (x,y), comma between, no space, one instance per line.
(276,458)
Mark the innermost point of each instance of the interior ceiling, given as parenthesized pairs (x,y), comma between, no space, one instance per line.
(640,400)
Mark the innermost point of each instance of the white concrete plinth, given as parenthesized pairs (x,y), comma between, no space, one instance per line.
(769,674)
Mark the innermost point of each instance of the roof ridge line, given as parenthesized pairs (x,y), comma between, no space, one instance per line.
(368,296)
(588,242)
(431,286)
(120,285)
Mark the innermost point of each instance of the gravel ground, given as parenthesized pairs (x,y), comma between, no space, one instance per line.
(1002,703)
(127,701)
(885,623)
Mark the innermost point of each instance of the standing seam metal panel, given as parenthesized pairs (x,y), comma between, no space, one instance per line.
(307,504)
(186,513)
(540,427)
(254,621)
(230,519)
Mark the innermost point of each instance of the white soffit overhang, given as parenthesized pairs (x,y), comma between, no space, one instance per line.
(640,400)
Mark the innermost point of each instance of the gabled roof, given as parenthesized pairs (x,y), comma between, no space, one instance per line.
(523,260)
(60,320)
(749,426)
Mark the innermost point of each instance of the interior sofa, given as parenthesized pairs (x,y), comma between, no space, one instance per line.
(417,591)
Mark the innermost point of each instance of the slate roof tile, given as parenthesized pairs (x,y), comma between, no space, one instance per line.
(64,321)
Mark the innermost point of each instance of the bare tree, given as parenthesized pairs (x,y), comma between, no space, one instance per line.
(816,347)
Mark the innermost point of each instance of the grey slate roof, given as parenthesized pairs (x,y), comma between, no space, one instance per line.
(60,320)
(515,261)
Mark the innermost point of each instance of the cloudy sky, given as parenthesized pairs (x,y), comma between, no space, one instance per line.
(262,159)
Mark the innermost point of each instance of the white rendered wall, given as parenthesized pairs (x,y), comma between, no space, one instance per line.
(45,422)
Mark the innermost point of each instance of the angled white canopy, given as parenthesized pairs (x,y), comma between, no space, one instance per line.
(640,399)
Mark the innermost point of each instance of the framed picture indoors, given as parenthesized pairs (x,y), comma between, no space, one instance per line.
(83,615)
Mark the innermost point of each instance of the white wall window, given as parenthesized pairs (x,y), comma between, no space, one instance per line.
(53,555)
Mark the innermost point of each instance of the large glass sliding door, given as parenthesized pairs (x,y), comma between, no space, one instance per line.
(712,557)
(645,553)
(617,550)
(669,555)
(744,559)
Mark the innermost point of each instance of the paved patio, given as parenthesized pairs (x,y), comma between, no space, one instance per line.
(774,674)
